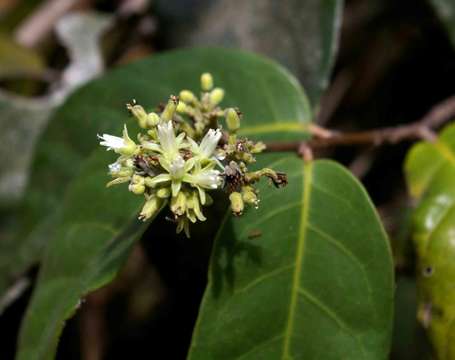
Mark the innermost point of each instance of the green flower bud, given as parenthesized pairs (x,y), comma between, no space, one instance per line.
(187,96)
(181,107)
(249,196)
(153,119)
(237,205)
(129,163)
(258,147)
(178,203)
(125,172)
(216,96)
(151,206)
(162,193)
(139,113)
(170,108)
(232,119)
(137,185)
(137,189)
(206,81)
(137,179)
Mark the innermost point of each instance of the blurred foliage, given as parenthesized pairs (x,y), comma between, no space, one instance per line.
(17,60)
(446,11)
(302,35)
(430,172)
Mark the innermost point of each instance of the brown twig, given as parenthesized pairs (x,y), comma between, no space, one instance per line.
(421,129)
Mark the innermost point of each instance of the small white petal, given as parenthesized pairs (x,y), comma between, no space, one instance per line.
(111,142)
(114,167)
(209,142)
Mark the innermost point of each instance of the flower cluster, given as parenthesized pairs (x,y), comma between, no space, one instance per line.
(184,153)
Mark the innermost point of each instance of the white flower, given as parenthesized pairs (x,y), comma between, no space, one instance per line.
(207,179)
(111,142)
(169,144)
(122,145)
(176,171)
(204,178)
(208,144)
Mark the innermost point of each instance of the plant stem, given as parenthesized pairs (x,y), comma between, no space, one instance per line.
(421,129)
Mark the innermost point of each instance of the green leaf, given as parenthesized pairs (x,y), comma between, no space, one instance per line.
(446,11)
(97,228)
(301,35)
(16,60)
(89,224)
(316,284)
(430,173)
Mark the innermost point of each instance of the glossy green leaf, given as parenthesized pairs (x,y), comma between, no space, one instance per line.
(446,11)
(430,172)
(90,233)
(301,35)
(317,283)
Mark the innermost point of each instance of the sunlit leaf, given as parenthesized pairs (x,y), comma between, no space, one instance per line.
(430,172)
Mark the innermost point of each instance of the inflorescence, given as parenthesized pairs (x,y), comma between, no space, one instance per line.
(184,154)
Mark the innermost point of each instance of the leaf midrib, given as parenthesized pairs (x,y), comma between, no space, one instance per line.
(306,196)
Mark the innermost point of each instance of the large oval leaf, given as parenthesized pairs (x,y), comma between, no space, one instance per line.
(430,172)
(274,105)
(316,284)
(92,221)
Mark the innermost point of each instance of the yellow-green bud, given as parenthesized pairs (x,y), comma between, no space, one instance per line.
(216,96)
(249,196)
(170,108)
(181,107)
(124,172)
(150,207)
(232,119)
(129,163)
(137,189)
(137,179)
(187,96)
(258,147)
(178,203)
(139,113)
(163,193)
(137,185)
(236,203)
(153,119)
(206,81)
